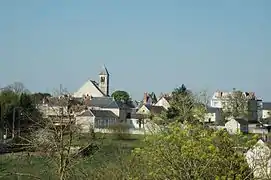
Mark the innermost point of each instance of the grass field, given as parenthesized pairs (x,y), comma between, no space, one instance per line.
(110,150)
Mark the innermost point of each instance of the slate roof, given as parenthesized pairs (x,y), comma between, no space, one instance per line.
(104,114)
(102,102)
(137,116)
(241,121)
(212,109)
(97,86)
(85,113)
(124,105)
(267,105)
(61,101)
(168,98)
(155,109)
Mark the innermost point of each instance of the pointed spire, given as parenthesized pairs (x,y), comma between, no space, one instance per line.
(104,71)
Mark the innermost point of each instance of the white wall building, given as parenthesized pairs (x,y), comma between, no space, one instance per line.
(93,89)
(266,110)
(235,126)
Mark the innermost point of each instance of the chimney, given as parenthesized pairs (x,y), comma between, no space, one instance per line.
(145,99)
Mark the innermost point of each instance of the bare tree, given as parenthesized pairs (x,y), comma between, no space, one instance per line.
(17,87)
(54,136)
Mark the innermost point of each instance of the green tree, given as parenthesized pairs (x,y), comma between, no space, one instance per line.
(190,152)
(181,105)
(153,97)
(38,97)
(121,96)
(17,109)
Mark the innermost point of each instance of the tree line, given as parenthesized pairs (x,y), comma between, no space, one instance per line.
(18,109)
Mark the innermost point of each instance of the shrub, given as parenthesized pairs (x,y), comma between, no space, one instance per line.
(120,130)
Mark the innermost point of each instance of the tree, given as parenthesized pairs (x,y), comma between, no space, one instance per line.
(153,97)
(17,87)
(38,97)
(18,111)
(236,105)
(190,152)
(182,105)
(121,96)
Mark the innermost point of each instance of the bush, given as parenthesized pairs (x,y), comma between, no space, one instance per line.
(120,130)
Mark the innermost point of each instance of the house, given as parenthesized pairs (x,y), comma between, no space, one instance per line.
(126,110)
(140,122)
(103,103)
(136,121)
(258,159)
(149,98)
(237,125)
(95,119)
(93,89)
(266,110)
(150,109)
(56,107)
(219,98)
(222,100)
(213,115)
(164,102)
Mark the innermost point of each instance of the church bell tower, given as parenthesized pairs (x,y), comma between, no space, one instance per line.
(104,81)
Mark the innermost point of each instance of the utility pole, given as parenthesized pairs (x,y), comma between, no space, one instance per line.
(13,123)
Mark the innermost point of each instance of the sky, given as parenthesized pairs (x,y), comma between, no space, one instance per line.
(147,45)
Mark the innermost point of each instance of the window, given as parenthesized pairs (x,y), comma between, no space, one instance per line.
(209,120)
(61,111)
(102,79)
(128,116)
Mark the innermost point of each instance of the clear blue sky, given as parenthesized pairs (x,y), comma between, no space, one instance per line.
(147,45)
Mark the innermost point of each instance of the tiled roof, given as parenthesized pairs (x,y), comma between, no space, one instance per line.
(102,102)
(104,113)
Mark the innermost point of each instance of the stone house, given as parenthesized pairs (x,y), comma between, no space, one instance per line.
(266,110)
(213,116)
(95,119)
(164,102)
(248,99)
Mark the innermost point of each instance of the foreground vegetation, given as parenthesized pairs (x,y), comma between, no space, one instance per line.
(36,165)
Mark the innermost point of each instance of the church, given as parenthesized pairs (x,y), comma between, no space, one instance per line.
(92,88)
